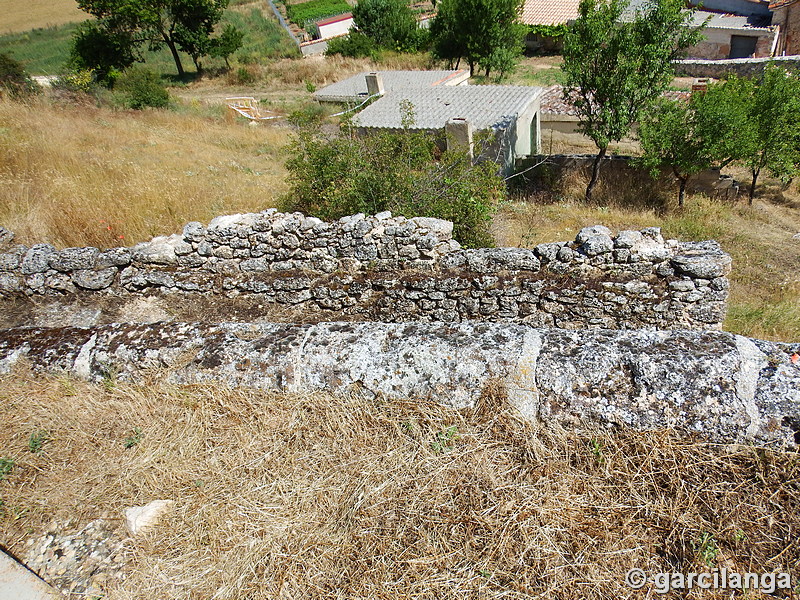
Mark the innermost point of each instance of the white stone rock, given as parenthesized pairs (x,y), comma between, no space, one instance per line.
(139,519)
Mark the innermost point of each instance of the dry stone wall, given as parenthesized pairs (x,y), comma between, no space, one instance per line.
(393,269)
(743,67)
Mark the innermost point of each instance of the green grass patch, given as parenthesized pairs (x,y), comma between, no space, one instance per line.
(42,51)
(264,37)
(315,10)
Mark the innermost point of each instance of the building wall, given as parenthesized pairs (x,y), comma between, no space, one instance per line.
(335,29)
(379,268)
(717,43)
(788,20)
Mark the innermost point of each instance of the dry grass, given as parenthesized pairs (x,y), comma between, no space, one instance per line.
(22,15)
(282,496)
(78,175)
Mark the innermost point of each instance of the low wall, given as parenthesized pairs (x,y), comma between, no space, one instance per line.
(718,385)
(388,269)
(743,67)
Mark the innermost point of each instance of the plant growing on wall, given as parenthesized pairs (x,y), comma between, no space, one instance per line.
(616,63)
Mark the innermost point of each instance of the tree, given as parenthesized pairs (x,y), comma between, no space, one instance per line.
(770,135)
(185,25)
(103,50)
(229,41)
(389,23)
(679,134)
(486,33)
(617,63)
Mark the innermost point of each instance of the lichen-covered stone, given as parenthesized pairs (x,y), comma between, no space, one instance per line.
(72,259)
(94,280)
(721,386)
(37,259)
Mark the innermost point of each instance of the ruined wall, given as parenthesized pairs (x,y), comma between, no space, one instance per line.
(390,269)
(722,386)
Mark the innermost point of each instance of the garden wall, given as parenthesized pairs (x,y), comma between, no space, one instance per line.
(381,268)
(743,67)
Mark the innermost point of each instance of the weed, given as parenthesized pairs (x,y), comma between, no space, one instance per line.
(310,87)
(706,548)
(6,466)
(37,440)
(444,439)
(597,449)
(133,439)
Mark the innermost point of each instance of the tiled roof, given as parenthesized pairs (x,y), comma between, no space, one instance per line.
(720,21)
(485,106)
(780,4)
(549,12)
(354,88)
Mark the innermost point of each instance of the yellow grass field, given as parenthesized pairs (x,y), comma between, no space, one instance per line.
(22,15)
(76,175)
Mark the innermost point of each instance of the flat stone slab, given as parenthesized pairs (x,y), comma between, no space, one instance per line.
(18,583)
(724,387)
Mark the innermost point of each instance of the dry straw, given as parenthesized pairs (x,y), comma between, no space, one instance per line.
(313,496)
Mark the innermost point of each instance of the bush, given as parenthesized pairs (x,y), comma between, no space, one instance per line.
(406,173)
(14,80)
(315,10)
(102,51)
(389,23)
(141,87)
(354,45)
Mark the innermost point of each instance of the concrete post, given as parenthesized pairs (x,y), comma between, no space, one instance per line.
(374,84)
(459,135)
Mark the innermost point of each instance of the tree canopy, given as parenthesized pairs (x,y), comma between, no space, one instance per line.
(617,63)
(389,23)
(485,33)
(180,25)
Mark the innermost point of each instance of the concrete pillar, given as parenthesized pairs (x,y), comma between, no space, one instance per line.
(459,135)
(374,84)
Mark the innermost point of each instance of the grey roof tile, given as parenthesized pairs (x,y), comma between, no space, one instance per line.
(355,88)
(485,106)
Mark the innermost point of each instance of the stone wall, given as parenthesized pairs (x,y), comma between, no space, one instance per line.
(722,386)
(743,67)
(390,269)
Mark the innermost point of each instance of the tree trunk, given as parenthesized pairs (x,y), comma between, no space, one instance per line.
(487,72)
(753,187)
(682,191)
(595,173)
(175,56)
(471,67)
(458,62)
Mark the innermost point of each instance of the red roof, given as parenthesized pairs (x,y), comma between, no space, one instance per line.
(335,19)
(780,3)
(549,12)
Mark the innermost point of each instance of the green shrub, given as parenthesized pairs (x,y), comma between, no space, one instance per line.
(315,10)
(354,45)
(14,80)
(140,88)
(406,173)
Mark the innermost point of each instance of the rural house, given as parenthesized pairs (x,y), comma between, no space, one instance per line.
(734,28)
(354,89)
(510,113)
(786,16)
